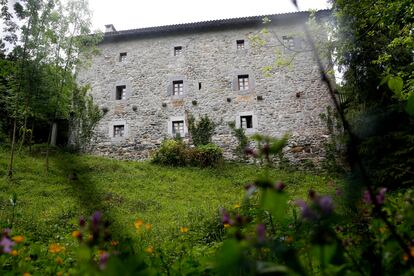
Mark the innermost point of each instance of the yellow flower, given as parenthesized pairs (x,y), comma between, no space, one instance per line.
(405,257)
(382,230)
(14,253)
(289,239)
(18,239)
(55,248)
(114,243)
(237,205)
(226,225)
(148,226)
(138,223)
(183,229)
(59,260)
(76,234)
(60,273)
(149,249)
(27,274)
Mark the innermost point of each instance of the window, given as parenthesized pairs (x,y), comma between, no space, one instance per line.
(122,57)
(119,131)
(243,82)
(178,88)
(178,128)
(246,122)
(240,44)
(120,92)
(178,50)
(289,42)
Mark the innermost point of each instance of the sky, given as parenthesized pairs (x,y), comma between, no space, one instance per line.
(132,14)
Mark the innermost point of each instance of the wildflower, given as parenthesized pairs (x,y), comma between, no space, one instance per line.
(149,250)
(76,234)
(289,239)
(59,273)
(366,197)
(82,222)
(307,212)
(138,223)
(261,232)
(18,239)
(226,225)
(326,204)
(312,194)
(6,232)
(55,248)
(59,260)
(14,253)
(381,196)
(279,186)
(103,260)
(7,244)
(114,243)
(27,274)
(183,229)
(148,226)
(405,258)
(96,219)
(225,217)
(338,192)
(237,206)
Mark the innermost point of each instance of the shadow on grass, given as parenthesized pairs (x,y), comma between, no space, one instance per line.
(85,191)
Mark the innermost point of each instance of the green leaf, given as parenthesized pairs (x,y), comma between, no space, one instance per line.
(276,203)
(409,108)
(396,85)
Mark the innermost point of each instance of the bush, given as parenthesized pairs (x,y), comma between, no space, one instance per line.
(201,131)
(172,152)
(206,155)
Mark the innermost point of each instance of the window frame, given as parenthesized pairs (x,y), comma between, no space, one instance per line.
(177,119)
(243,82)
(240,44)
(178,51)
(123,57)
(177,88)
(122,93)
(254,121)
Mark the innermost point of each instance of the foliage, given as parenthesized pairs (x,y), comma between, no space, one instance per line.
(205,155)
(201,131)
(243,140)
(172,152)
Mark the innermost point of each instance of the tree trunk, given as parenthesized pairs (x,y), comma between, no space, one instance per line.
(10,171)
(47,147)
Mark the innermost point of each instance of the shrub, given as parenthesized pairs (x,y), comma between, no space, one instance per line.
(241,138)
(206,155)
(202,131)
(172,152)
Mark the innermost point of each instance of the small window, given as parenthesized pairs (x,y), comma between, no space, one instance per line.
(246,122)
(178,50)
(178,128)
(240,44)
(199,86)
(289,42)
(122,57)
(119,131)
(178,88)
(243,82)
(120,92)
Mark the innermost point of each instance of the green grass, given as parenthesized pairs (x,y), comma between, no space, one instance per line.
(50,204)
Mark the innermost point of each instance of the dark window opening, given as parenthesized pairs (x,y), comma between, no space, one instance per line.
(240,44)
(178,128)
(178,88)
(120,92)
(243,82)
(119,130)
(178,50)
(246,121)
(199,86)
(122,57)
(289,42)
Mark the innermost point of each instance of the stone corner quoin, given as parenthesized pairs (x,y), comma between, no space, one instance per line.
(149,80)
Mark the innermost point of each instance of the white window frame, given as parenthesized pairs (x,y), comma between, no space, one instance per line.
(240,44)
(254,121)
(112,126)
(243,82)
(123,57)
(178,50)
(123,94)
(178,88)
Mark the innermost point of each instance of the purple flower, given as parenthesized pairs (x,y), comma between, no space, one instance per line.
(280,186)
(366,197)
(103,260)
(261,232)
(307,212)
(326,204)
(381,196)
(96,218)
(7,244)
(6,232)
(338,192)
(225,217)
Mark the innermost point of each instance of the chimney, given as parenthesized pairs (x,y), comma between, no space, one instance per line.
(109,28)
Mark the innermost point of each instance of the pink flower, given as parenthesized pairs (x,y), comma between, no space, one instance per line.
(7,244)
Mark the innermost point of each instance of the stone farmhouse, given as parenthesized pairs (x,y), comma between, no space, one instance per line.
(146,81)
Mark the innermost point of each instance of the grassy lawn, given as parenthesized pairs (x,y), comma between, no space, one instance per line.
(49,204)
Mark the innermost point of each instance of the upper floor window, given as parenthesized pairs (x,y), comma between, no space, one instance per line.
(240,44)
(178,88)
(243,82)
(120,92)
(289,42)
(119,131)
(122,57)
(178,50)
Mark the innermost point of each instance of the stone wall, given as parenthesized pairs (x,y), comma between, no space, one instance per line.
(290,100)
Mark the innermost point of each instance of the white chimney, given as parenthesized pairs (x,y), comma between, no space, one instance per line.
(109,28)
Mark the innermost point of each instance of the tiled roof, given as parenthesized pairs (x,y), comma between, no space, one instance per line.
(280,18)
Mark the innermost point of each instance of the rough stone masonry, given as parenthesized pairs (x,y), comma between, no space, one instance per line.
(146,81)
